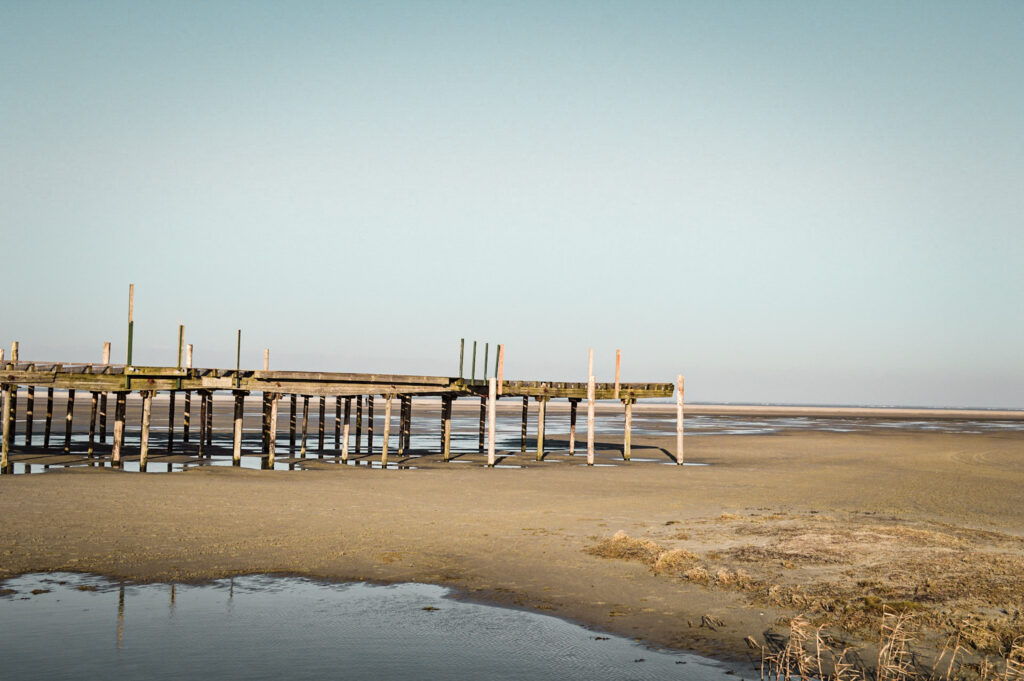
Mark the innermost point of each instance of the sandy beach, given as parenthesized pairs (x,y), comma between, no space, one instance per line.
(834,525)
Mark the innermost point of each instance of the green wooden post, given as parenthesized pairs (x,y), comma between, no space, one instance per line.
(462,354)
(487,351)
(472,375)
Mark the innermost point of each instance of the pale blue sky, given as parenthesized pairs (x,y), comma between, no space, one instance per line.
(786,201)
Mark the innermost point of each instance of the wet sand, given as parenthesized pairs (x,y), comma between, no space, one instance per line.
(524,537)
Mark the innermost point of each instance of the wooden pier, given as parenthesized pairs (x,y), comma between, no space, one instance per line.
(102,381)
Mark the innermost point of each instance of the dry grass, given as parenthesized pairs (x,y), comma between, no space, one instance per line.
(844,573)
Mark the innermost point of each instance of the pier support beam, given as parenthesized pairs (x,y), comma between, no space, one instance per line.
(147,414)
(119,411)
(492,399)
(387,433)
(68,418)
(93,408)
(337,422)
(14,406)
(590,421)
(627,434)
(30,403)
(103,418)
(323,416)
(204,405)
(679,419)
(483,422)
(209,419)
(573,403)
(305,425)
(5,445)
(401,425)
(369,425)
(171,397)
(446,427)
(359,424)
(291,424)
(236,444)
(541,411)
(49,418)
(522,432)
(345,429)
(272,432)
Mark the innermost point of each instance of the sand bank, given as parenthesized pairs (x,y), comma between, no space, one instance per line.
(770,511)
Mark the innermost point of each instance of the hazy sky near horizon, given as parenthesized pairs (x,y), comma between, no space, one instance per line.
(786,201)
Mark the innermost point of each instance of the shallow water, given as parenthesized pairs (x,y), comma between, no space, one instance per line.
(260,627)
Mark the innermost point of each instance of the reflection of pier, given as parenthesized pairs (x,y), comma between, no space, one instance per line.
(108,383)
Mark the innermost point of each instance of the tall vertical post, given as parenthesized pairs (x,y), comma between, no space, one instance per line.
(14,412)
(68,418)
(472,375)
(401,425)
(487,353)
(542,402)
(497,357)
(627,435)
(446,427)
(204,405)
(573,403)
(344,436)
(462,355)
(103,398)
(679,419)
(522,431)
(119,416)
(30,404)
(14,351)
(291,425)
(238,362)
(147,409)
(618,365)
(209,419)
(181,342)
(501,366)
(272,440)
(492,399)
(236,444)
(305,425)
(323,415)
(359,424)
(131,323)
(408,423)
(186,417)
(387,432)
(49,418)
(265,423)
(483,422)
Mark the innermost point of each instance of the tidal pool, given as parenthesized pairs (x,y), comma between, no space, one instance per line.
(71,626)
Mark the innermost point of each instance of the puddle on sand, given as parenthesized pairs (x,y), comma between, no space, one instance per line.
(261,627)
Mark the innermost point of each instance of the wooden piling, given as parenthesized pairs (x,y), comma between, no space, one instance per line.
(462,354)
(446,427)
(337,422)
(408,423)
(487,353)
(369,424)
(186,417)
(359,424)
(401,425)
(49,418)
(541,410)
(209,418)
(305,425)
(320,440)
(291,424)
(590,421)
(522,432)
(265,422)
(203,406)
(171,395)
(387,432)
(5,441)
(119,415)
(344,437)
(492,399)
(14,412)
(573,403)
(93,408)
(68,418)
(483,422)
(472,375)
(679,419)
(236,448)
(627,434)
(147,409)
(30,403)
(272,440)
(103,398)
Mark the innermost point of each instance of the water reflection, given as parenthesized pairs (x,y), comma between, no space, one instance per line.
(260,627)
